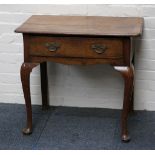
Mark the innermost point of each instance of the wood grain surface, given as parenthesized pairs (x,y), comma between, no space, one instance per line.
(77,47)
(82,25)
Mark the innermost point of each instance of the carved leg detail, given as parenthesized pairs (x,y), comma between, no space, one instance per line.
(128,75)
(26,69)
(44,85)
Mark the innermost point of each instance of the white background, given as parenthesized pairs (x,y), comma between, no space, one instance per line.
(84,86)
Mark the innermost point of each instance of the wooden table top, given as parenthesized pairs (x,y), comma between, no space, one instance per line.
(82,25)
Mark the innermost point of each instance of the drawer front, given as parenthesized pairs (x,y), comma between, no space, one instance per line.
(108,48)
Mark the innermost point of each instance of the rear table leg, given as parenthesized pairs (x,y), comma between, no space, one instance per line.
(44,85)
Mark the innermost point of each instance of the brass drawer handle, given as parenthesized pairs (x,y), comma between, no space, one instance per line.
(99,48)
(52,47)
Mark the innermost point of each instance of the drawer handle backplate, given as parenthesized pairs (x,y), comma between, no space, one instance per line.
(52,47)
(99,48)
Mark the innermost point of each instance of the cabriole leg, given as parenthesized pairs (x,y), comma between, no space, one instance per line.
(26,69)
(128,75)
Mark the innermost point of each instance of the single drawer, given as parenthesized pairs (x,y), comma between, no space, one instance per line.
(107,48)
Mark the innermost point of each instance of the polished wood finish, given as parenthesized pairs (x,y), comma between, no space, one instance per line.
(78,61)
(26,69)
(83,25)
(128,75)
(77,47)
(81,41)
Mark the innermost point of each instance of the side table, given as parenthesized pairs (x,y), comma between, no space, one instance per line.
(79,40)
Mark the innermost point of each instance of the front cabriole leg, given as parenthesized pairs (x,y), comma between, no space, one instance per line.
(26,69)
(128,75)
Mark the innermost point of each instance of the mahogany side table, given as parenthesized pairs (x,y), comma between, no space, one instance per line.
(79,40)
